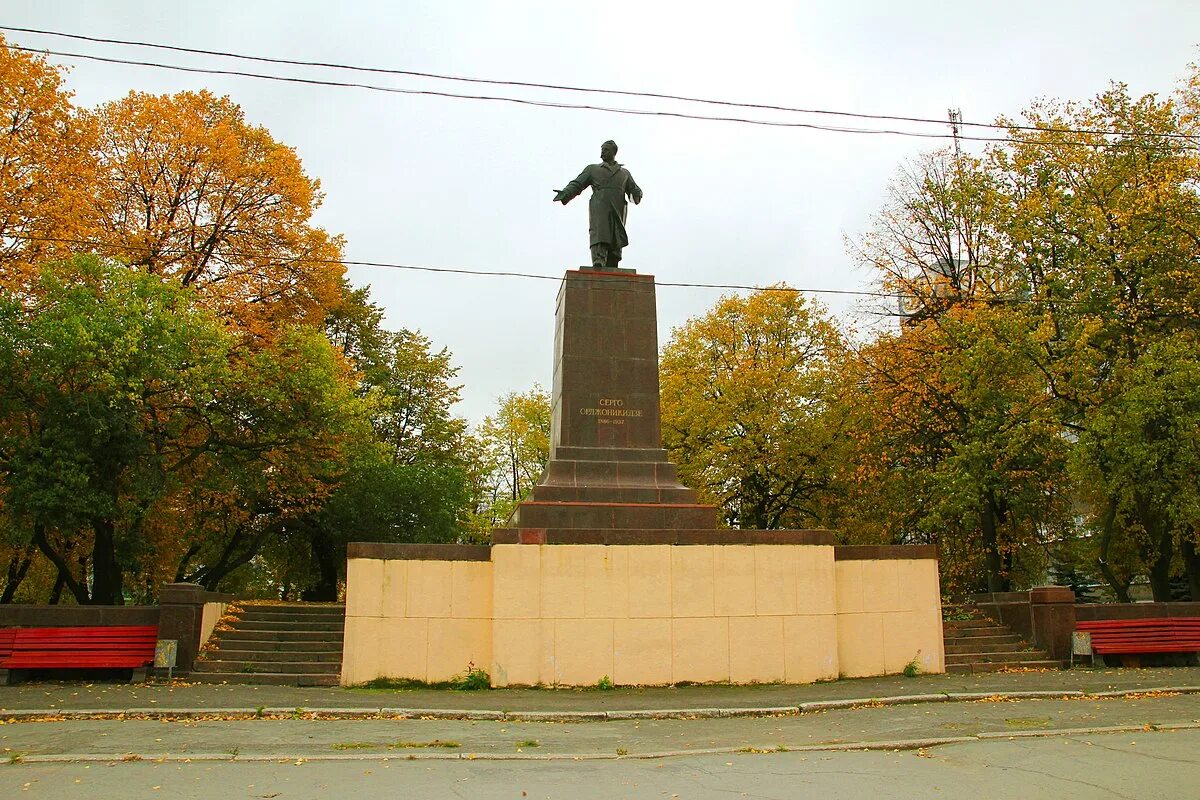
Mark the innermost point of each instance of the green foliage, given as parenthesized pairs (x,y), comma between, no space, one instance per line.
(509,452)
(473,680)
(746,411)
(913,668)
(605,684)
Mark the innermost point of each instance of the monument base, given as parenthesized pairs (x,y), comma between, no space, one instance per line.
(642,608)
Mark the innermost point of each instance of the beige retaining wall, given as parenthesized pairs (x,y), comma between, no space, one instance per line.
(570,614)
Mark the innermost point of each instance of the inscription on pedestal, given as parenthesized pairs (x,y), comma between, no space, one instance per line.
(611,411)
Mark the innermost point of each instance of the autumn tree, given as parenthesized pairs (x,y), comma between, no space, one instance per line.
(405,481)
(190,190)
(746,411)
(935,242)
(46,166)
(1104,226)
(957,443)
(121,396)
(83,457)
(511,448)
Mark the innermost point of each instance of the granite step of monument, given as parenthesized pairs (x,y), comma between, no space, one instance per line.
(996,658)
(280,667)
(268,678)
(286,635)
(646,474)
(614,515)
(1002,666)
(631,454)
(661,536)
(244,624)
(246,654)
(613,494)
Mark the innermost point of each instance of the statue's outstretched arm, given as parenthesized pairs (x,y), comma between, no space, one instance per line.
(572,189)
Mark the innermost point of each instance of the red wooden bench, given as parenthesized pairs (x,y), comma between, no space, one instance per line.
(6,642)
(1159,635)
(113,647)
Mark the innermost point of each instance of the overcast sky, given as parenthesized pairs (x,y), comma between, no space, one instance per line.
(468,184)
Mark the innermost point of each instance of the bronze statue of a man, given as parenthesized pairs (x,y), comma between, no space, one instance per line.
(611,183)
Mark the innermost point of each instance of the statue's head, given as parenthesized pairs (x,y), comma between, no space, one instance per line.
(608,150)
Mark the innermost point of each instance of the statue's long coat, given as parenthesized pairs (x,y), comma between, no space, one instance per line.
(611,185)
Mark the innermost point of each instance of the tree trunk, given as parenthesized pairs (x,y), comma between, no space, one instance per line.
(1120,590)
(1160,569)
(17,567)
(1191,563)
(325,552)
(1158,552)
(106,572)
(992,563)
(56,593)
(78,588)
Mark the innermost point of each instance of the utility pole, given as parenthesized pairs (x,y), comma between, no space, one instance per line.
(955,115)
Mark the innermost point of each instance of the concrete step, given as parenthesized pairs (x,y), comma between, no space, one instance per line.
(267,678)
(295,608)
(975,633)
(984,642)
(1001,666)
(240,655)
(279,636)
(996,658)
(962,624)
(224,665)
(1016,645)
(277,645)
(297,620)
(287,625)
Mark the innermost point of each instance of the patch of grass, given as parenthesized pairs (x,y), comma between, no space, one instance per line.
(258,712)
(622,751)
(354,745)
(16,757)
(399,684)
(528,743)
(474,679)
(416,745)
(249,667)
(1028,722)
(762,750)
(605,683)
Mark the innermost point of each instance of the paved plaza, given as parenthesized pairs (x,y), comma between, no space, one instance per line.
(1079,733)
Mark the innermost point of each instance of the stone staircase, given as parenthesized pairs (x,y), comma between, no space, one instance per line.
(984,645)
(285,644)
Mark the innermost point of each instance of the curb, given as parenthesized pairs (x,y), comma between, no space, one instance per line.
(57,715)
(892,745)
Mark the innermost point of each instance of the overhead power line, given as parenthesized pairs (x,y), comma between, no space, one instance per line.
(472,272)
(993,299)
(498,98)
(583,89)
